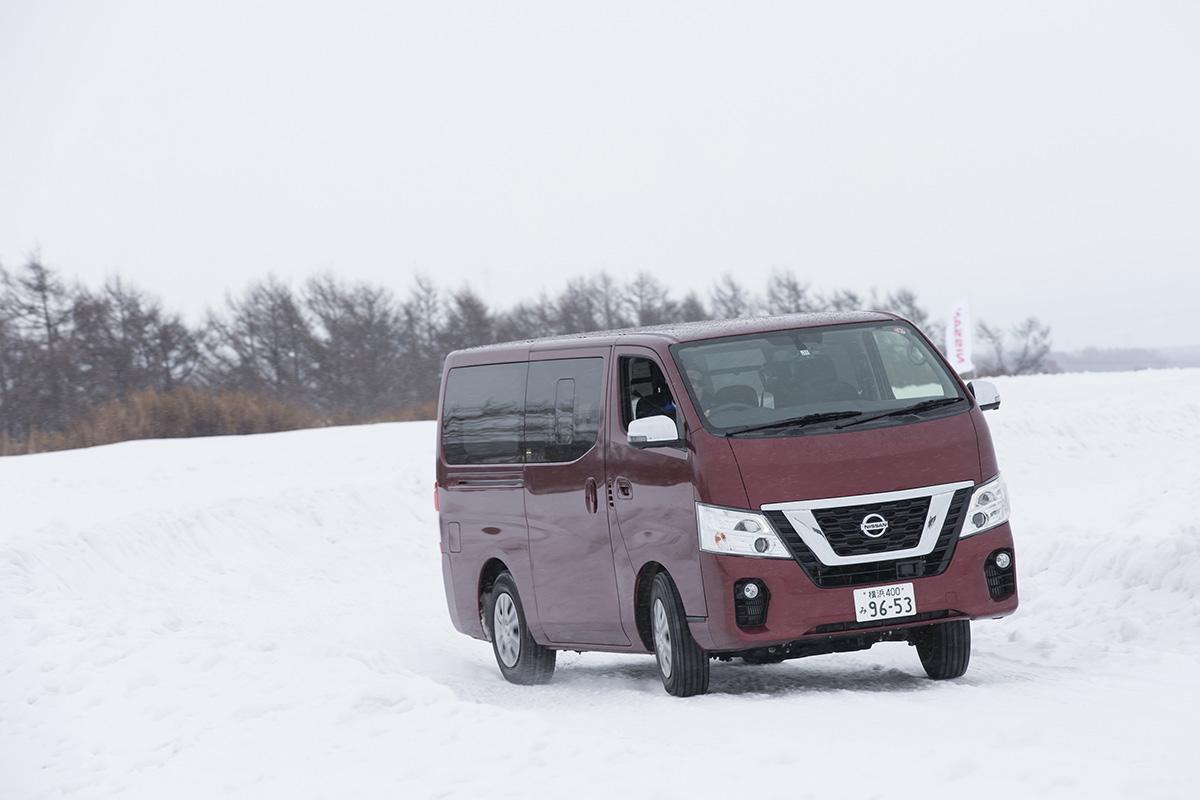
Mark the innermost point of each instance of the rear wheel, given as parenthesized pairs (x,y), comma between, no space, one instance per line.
(945,649)
(520,658)
(682,664)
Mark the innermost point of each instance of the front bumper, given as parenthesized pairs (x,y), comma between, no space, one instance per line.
(799,609)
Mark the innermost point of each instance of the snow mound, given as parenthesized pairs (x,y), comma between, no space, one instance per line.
(263,616)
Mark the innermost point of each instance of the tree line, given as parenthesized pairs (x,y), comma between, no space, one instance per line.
(89,364)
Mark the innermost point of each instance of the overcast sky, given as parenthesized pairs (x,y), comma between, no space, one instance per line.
(1041,158)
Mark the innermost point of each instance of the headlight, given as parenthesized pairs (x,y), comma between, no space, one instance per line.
(729,531)
(988,507)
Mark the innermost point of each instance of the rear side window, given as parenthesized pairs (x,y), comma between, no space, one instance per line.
(562,408)
(482,416)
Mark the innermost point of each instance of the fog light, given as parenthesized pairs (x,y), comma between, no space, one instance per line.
(1003,560)
(750,599)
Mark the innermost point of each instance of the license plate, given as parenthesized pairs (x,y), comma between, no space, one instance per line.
(884,602)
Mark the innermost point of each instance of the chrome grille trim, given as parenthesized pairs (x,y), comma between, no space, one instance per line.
(800,514)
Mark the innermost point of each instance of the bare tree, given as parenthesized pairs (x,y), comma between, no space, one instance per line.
(577,308)
(904,303)
(1031,347)
(1022,350)
(37,312)
(529,319)
(692,309)
(787,294)
(174,351)
(730,299)
(346,351)
(262,343)
(611,302)
(649,302)
(423,320)
(126,341)
(841,300)
(469,322)
(10,366)
(356,346)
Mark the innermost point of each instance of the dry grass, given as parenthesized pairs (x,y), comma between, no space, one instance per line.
(188,412)
(166,415)
(406,414)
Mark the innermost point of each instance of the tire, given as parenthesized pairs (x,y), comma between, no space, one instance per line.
(521,660)
(682,665)
(945,649)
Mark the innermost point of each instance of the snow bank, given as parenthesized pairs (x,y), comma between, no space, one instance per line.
(263,616)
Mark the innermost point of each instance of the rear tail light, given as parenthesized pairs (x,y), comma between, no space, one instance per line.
(436,506)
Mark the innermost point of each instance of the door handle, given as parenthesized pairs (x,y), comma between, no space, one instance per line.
(624,488)
(590,501)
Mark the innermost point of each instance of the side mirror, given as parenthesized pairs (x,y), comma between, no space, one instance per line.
(986,394)
(657,431)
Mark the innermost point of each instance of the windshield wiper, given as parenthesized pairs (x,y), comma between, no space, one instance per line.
(794,422)
(915,408)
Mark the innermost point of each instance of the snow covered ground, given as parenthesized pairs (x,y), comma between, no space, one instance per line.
(264,616)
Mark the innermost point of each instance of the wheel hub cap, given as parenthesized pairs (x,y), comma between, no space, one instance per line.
(506,628)
(662,639)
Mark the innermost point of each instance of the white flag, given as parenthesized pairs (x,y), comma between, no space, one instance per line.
(958,338)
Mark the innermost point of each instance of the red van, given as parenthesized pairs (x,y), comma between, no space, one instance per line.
(760,489)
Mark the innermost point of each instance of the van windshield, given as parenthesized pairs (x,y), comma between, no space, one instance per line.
(824,376)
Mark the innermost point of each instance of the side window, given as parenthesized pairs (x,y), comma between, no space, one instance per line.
(644,391)
(482,417)
(562,408)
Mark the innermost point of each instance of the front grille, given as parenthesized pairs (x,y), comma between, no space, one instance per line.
(843,531)
(1001,583)
(842,627)
(831,577)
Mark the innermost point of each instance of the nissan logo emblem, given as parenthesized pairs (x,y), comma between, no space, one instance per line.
(874,526)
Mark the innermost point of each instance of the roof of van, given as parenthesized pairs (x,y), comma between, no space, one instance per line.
(673,333)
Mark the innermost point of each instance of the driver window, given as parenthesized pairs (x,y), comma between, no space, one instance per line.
(644,391)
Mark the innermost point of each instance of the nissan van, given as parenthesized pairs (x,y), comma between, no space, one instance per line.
(759,489)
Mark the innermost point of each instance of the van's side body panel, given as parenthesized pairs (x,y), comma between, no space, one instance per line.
(487,501)
(570,544)
(653,499)
(493,526)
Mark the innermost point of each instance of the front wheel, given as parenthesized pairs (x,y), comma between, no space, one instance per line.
(682,664)
(945,649)
(520,658)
